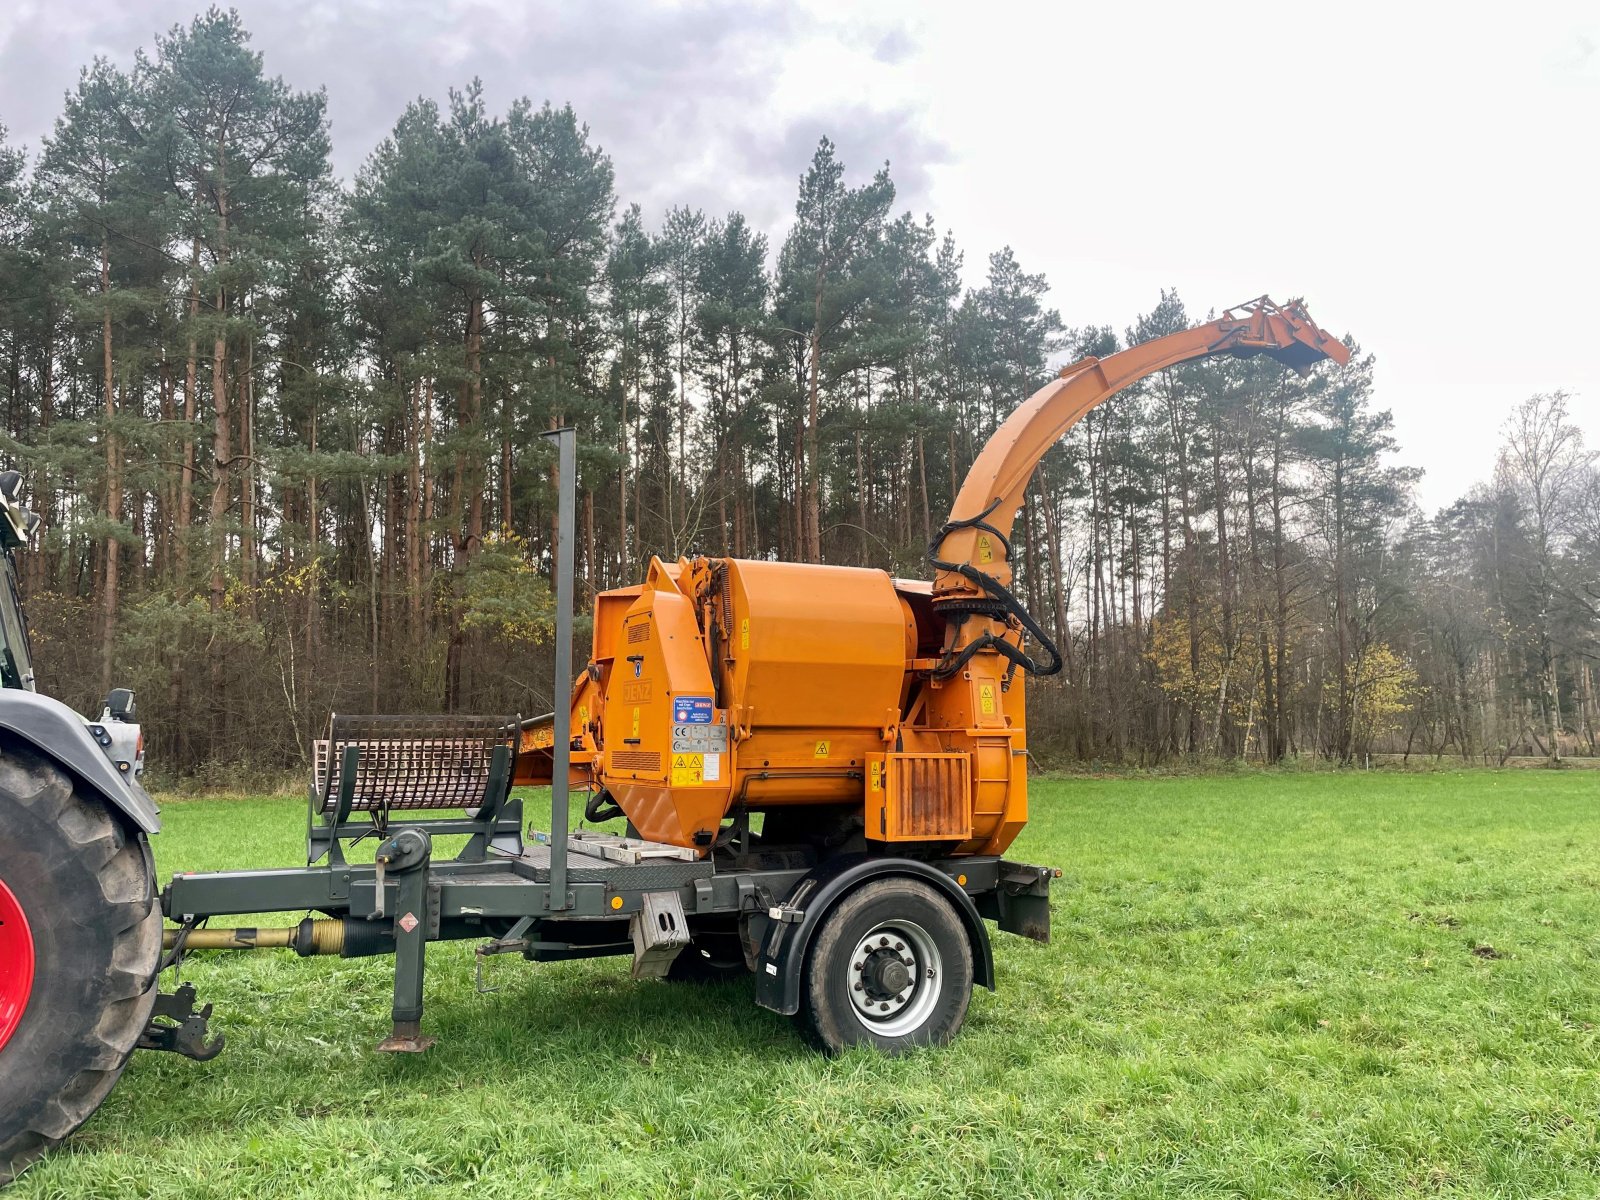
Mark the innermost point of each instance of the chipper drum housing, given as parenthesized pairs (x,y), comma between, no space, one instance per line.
(721,685)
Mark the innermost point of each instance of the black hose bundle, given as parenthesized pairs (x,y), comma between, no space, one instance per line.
(1004,603)
(601,807)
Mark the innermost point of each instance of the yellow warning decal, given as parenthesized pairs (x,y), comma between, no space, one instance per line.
(986,699)
(985,548)
(821,750)
(636,722)
(875,776)
(744,633)
(688,769)
(583,714)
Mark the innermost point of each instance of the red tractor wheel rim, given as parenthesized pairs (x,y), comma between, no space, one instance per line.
(16,963)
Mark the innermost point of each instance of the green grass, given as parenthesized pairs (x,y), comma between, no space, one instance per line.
(1260,985)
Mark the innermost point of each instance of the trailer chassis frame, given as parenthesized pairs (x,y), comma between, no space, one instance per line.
(512,904)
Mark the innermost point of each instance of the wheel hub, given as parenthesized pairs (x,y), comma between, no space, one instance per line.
(16,963)
(894,977)
(890,975)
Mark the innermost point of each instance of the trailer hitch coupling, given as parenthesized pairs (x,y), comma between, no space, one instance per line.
(190,1036)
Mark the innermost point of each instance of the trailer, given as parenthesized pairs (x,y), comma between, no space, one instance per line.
(865,947)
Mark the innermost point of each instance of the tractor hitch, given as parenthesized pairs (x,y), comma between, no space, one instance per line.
(190,1037)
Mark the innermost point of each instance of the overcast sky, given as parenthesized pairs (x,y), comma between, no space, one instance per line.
(1423,174)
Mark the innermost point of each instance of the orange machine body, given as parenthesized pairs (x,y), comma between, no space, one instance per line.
(724,684)
(720,686)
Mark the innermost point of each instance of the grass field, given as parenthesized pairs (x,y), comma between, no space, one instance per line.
(1260,985)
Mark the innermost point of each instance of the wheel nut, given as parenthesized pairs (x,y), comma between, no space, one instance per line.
(884,1006)
(858,985)
(883,941)
(899,945)
(859,965)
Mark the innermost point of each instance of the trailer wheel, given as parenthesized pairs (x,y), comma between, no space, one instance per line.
(80,939)
(891,967)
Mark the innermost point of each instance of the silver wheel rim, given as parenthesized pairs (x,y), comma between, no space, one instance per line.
(872,974)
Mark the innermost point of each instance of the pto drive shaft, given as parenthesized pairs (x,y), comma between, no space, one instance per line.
(346,938)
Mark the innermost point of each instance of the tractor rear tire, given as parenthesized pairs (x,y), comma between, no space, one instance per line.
(890,968)
(78,954)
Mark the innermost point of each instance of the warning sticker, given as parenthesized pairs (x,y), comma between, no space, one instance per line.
(712,771)
(688,769)
(636,722)
(986,699)
(821,750)
(985,548)
(691,710)
(744,633)
(700,739)
(875,775)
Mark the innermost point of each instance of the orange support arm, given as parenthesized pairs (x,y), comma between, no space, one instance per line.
(994,487)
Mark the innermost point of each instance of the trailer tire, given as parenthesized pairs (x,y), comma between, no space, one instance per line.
(79,888)
(890,967)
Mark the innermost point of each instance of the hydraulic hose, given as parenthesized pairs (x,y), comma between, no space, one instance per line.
(1004,604)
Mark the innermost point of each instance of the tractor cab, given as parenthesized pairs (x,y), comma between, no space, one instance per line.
(115,731)
(16,526)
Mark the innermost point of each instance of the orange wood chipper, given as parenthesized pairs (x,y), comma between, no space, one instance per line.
(854,709)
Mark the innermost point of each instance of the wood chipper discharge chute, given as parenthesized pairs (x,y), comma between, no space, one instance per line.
(847,706)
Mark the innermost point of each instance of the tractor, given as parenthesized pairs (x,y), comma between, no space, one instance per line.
(80,927)
(818,770)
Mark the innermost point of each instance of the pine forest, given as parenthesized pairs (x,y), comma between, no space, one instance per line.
(282,431)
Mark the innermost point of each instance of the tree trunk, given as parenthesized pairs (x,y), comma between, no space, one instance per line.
(413,530)
(108,577)
(811,509)
(922,480)
(1226,745)
(221,438)
(245,387)
(191,386)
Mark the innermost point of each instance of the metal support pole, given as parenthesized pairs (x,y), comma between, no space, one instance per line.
(561,752)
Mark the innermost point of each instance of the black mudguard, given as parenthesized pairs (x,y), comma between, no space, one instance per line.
(55,731)
(793,924)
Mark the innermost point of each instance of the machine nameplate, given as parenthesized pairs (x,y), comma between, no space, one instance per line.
(700,739)
(692,710)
